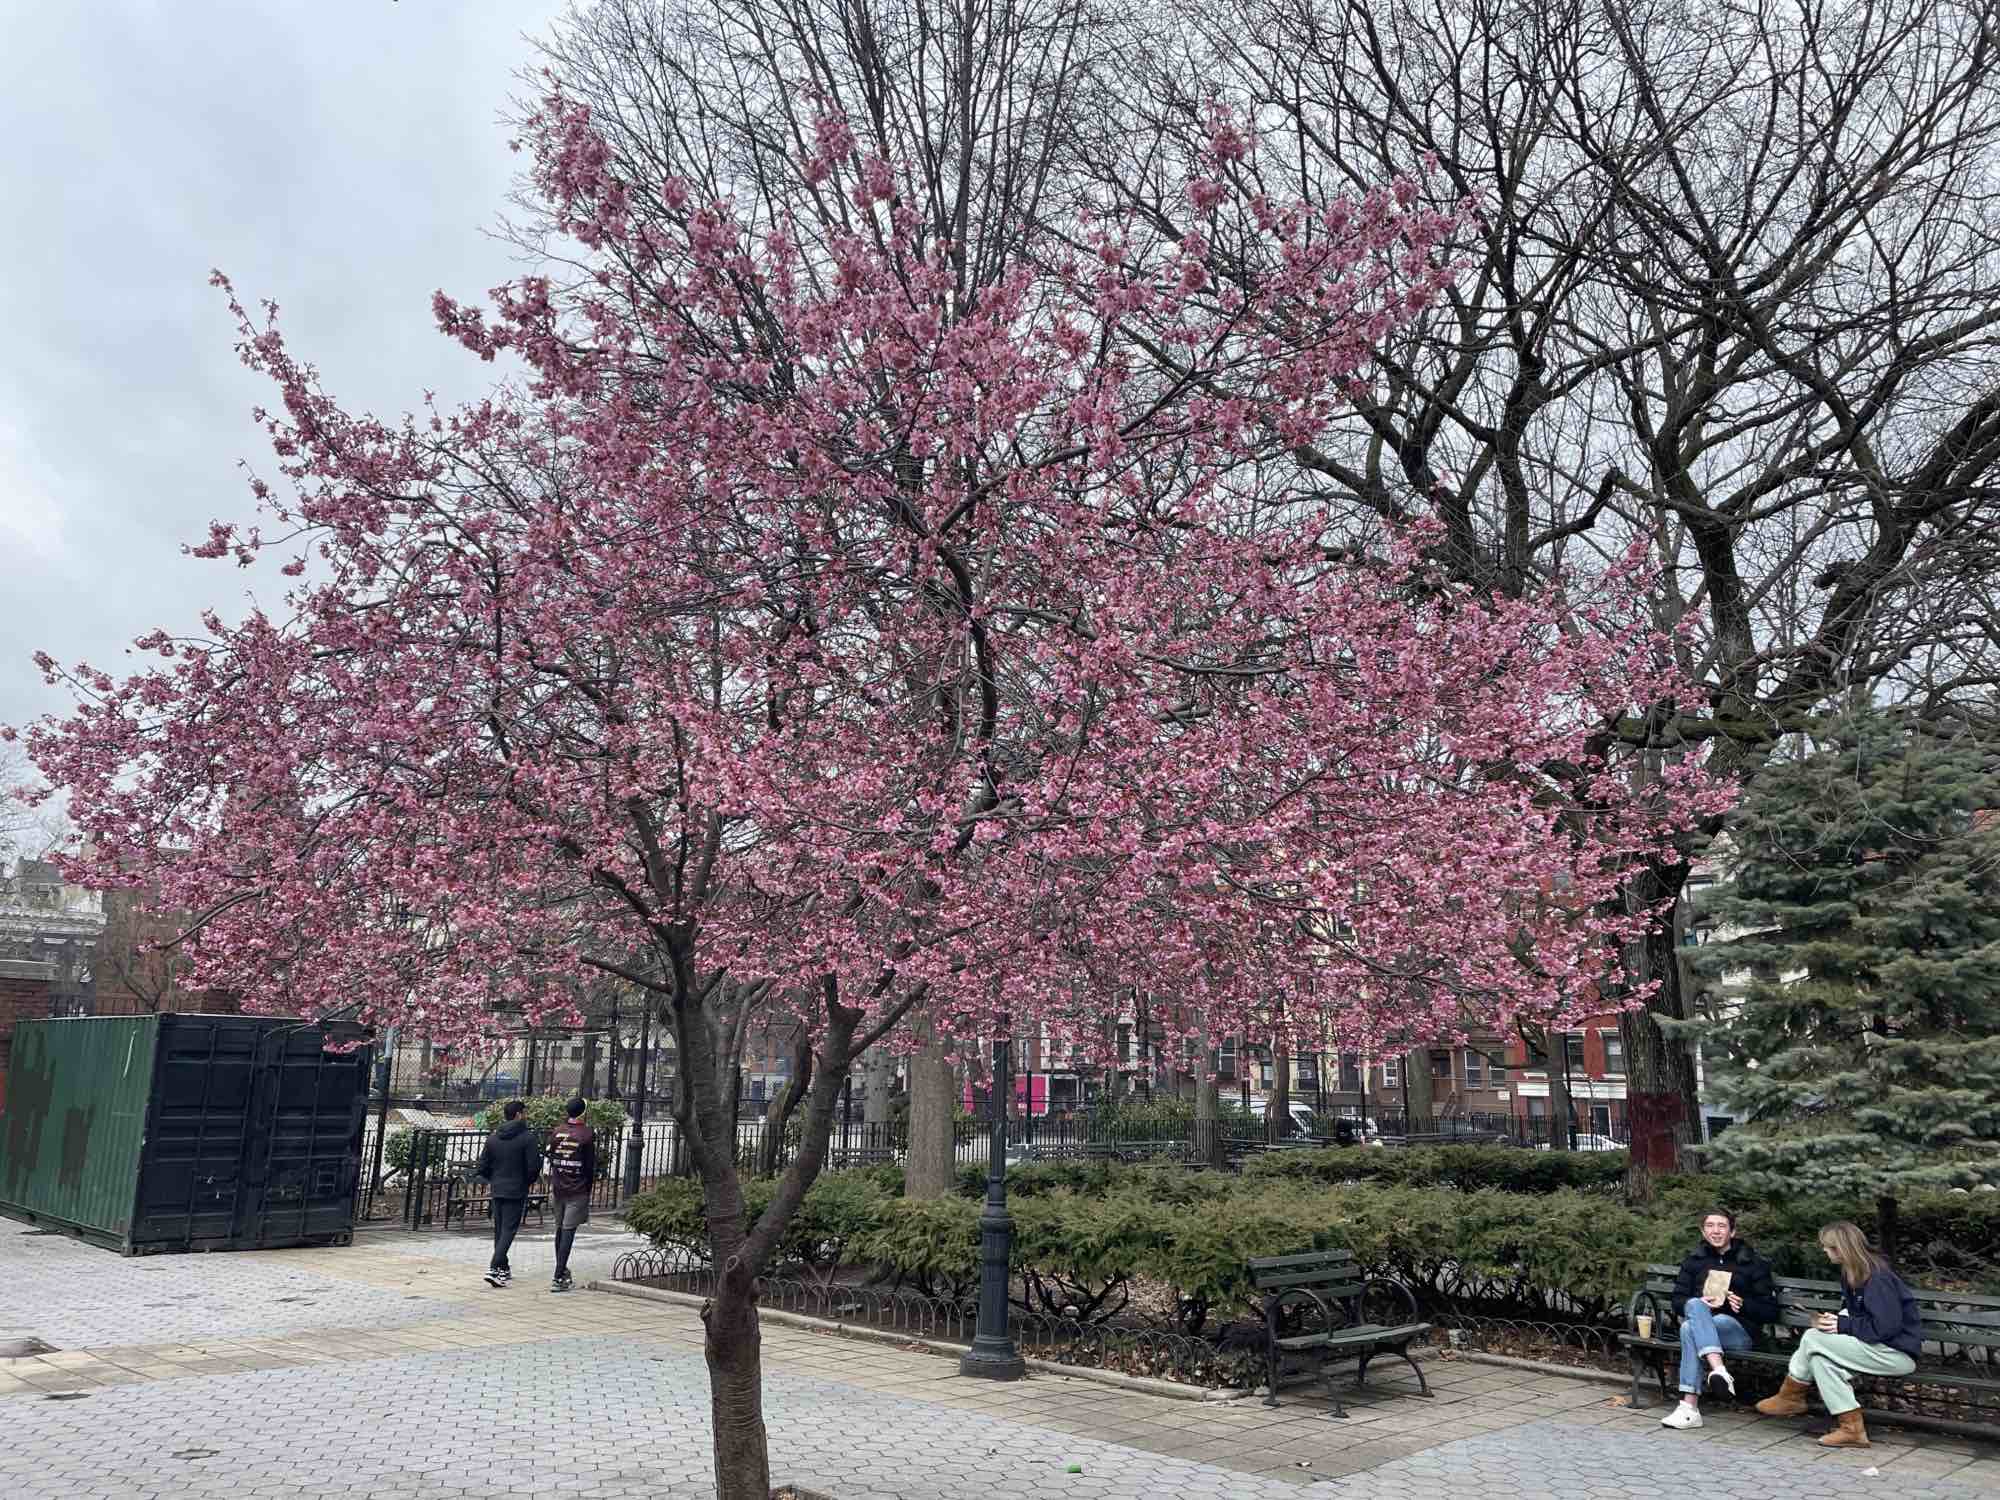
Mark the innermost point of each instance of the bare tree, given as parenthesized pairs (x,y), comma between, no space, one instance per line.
(1733,297)
(136,961)
(983,101)
(26,828)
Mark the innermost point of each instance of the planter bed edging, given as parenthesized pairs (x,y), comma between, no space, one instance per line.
(1145,1383)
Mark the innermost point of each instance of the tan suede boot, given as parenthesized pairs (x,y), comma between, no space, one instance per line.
(1789,1402)
(1851,1433)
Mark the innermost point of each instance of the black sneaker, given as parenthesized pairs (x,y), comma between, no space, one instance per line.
(562,1284)
(498,1278)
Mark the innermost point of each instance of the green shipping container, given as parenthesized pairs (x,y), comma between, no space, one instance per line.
(184,1132)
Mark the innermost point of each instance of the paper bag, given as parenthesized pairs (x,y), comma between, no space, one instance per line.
(1717,1286)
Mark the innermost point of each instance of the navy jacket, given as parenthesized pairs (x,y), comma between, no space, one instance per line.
(512,1160)
(1884,1311)
(1749,1278)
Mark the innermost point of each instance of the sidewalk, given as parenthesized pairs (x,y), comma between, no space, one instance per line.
(388,1369)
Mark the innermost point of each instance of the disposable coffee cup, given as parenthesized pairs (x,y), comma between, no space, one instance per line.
(1645,1326)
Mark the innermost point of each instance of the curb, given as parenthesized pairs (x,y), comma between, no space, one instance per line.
(1534,1366)
(1143,1383)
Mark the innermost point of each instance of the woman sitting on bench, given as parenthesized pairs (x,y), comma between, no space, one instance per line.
(1725,1297)
(1876,1332)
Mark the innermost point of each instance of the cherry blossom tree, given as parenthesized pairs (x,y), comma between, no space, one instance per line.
(800,634)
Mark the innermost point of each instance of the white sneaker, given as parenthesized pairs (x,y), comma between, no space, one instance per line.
(1723,1378)
(1681,1416)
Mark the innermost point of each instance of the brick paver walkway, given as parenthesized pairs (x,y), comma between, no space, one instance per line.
(390,1370)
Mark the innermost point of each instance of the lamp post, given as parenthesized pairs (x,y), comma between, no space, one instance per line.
(635,1144)
(611,1083)
(993,1355)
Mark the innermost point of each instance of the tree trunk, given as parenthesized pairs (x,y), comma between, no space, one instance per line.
(1417,1073)
(1887,1230)
(771,1144)
(931,1168)
(1278,1107)
(878,1073)
(733,1348)
(1662,1106)
(1561,1106)
(1207,1104)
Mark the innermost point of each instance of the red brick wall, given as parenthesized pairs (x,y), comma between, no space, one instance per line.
(24,996)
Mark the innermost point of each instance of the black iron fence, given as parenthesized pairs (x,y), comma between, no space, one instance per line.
(425,1175)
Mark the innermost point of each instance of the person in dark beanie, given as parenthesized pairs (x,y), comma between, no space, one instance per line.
(572,1170)
(511,1164)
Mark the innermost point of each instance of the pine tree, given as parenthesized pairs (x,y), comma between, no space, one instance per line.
(1864,1055)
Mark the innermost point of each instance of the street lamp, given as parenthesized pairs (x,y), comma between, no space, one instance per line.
(635,1145)
(993,1355)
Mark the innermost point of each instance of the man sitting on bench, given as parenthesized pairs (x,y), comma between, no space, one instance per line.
(1725,1297)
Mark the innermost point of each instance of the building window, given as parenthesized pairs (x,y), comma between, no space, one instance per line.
(1225,1059)
(1600,1119)
(1573,1050)
(1441,1067)
(1538,1055)
(1475,1069)
(1350,1073)
(1392,1072)
(1124,1044)
(1614,1055)
(1309,1073)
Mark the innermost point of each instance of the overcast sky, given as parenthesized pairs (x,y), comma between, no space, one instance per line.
(342,159)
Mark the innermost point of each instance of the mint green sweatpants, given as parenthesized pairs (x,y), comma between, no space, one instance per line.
(1830,1360)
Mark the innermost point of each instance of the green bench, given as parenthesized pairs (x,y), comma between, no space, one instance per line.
(467,1191)
(1318,1307)
(1961,1342)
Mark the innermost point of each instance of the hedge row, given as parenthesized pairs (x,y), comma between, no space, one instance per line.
(1091,1238)
(1467,1168)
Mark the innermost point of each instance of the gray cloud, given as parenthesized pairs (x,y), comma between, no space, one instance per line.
(340,159)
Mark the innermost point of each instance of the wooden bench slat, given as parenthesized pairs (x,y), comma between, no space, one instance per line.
(1336,1284)
(1361,1333)
(1316,1258)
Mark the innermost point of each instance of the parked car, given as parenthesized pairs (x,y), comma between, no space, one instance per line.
(1305,1121)
(1589,1143)
(500,1086)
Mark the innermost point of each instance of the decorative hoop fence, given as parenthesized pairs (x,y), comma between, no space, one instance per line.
(1156,1352)
(1232,1361)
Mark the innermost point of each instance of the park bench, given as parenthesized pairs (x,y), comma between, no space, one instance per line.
(1320,1308)
(466,1191)
(1961,1343)
(1121,1151)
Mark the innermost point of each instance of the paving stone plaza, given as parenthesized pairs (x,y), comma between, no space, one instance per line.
(388,1369)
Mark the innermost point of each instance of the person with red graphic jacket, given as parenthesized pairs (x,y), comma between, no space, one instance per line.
(572,1168)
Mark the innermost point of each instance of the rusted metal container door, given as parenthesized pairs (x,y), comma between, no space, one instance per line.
(74,1125)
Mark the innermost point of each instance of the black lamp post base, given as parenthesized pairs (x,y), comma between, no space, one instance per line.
(996,1359)
(635,1151)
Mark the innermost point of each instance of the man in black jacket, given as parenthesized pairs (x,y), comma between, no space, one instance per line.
(1725,1297)
(511,1164)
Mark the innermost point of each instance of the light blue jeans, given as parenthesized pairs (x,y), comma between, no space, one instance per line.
(1704,1332)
